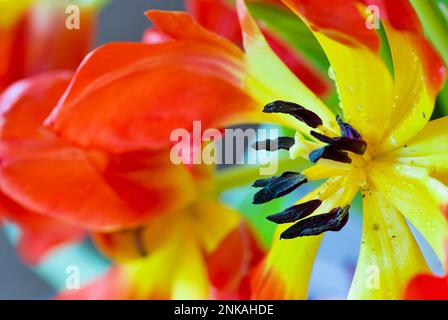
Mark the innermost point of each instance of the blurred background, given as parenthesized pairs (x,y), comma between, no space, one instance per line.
(120,20)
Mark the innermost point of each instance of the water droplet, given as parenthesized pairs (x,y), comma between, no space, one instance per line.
(331,73)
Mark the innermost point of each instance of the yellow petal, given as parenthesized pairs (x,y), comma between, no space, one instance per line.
(124,245)
(190,279)
(12,10)
(418,196)
(389,256)
(363,82)
(269,79)
(151,277)
(413,101)
(364,85)
(285,272)
(212,221)
(428,149)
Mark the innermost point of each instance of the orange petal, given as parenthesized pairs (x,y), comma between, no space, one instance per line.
(39,234)
(338,19)
(230,264)
(86,187)
(155,87)
(12,52)
(217,16)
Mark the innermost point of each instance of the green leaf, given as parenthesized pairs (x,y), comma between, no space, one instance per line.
(291,29)
(434,17)
(441,108)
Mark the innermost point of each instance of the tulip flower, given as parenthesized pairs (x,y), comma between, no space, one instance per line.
(390,157)
(383,143)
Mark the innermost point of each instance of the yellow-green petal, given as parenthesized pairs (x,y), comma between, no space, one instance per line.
(418,196)
(389,256)
(413,101)
(428,149)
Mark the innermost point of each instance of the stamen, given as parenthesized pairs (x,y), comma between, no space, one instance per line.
(284,143)
(276,187)
(331,153)
(296,212)
(347,130)
(335,220)
(354,145)
(310,118)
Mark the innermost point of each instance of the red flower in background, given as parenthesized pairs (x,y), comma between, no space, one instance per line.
(35,38)
(49,176)
(143,211)
(134,201)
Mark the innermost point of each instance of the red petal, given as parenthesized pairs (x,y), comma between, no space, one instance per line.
(402,16)
(39,235)
(427,287)
(128,96)
(218,16)
(52,46)
(37,43)
(181,26)
(310,77)
(267,285)
(90,188)
(229,265)
(338,19)
(12,53)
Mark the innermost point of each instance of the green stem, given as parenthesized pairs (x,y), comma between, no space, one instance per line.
(443,100)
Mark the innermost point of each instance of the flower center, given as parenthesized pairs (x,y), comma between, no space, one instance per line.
(348,150)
